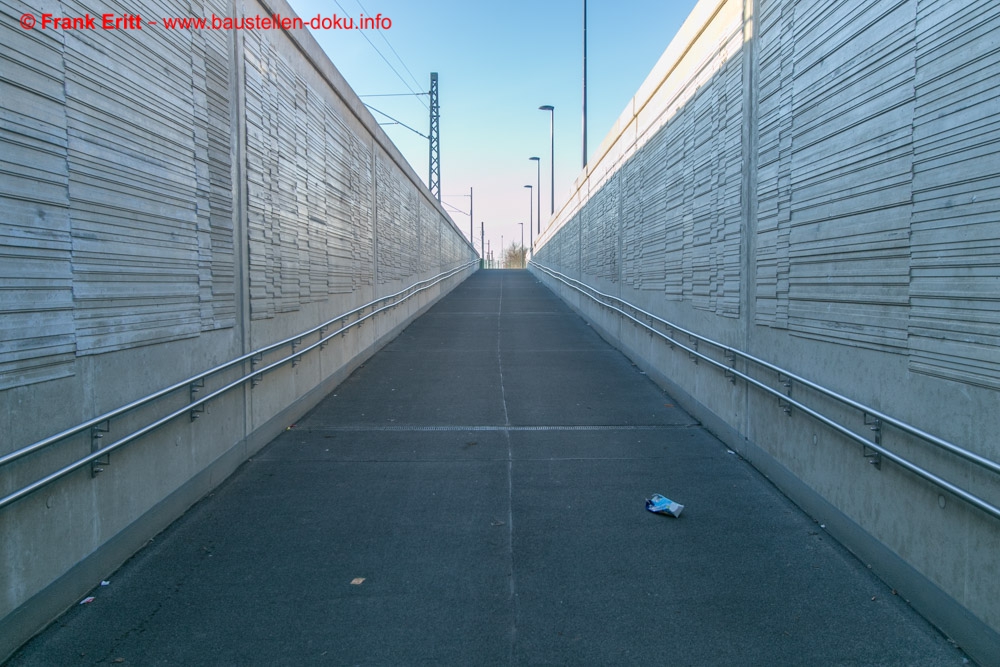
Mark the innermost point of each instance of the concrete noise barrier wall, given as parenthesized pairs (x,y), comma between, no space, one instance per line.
(173,199)
(817,184)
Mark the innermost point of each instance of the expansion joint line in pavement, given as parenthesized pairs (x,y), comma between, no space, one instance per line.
(510,487)
(498,428)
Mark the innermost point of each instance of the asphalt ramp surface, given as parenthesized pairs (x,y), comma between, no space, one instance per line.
(474,495)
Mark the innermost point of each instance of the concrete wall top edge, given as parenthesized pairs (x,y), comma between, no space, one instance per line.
(606,161)
(315,56)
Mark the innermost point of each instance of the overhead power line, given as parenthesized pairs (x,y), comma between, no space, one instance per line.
(396,122)
(381,55)
(455,208)
(398,57)
(394,95)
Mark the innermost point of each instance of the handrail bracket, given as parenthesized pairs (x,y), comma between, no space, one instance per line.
(786,382)
(254,361)
(97,432)
(873,455)
(193,390)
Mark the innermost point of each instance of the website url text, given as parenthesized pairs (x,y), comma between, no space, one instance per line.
(136,22)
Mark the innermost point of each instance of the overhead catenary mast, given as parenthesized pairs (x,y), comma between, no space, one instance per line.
(434,141)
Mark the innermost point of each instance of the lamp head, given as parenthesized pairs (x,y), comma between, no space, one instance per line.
(534,158)
(546,107)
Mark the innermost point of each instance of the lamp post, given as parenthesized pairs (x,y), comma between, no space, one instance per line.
(531,208)
(552,160)
(584,84)
(522,242)
(538,192)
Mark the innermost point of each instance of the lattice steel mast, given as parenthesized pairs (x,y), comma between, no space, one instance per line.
(434,137)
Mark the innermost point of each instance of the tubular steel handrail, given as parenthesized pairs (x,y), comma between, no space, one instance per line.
(255,373)
(607,300)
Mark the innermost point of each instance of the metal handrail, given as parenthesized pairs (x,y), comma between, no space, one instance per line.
(988,464)
(409,292)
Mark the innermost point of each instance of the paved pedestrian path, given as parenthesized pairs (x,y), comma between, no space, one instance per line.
(474,495)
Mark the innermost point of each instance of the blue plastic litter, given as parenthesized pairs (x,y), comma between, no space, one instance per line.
(660,505)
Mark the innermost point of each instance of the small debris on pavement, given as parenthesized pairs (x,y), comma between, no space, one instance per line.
(87,600)
(105,583)
(357,581)
(660,505)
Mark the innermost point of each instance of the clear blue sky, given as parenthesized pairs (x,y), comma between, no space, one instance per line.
(497,63)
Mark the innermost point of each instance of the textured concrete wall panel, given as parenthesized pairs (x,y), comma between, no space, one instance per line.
(955,248)
(169,200)
(35,243)
(818,185)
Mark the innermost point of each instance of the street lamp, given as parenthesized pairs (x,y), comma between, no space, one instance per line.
(538,192)
(584,84)
(531,208)
(552,160)
(522,242)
